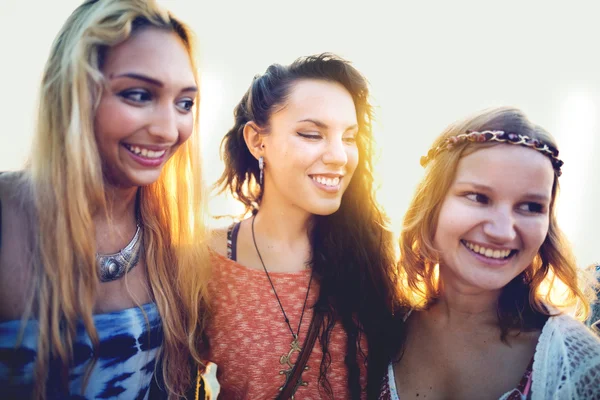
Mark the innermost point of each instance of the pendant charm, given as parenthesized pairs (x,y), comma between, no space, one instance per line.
(113,266)
(286,360)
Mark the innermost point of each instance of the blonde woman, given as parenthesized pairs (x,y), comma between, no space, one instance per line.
(102,263)
(485,213)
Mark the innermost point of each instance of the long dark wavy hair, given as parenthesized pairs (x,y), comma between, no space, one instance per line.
(353,255)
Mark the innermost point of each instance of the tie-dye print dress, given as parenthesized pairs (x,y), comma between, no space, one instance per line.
(129,340)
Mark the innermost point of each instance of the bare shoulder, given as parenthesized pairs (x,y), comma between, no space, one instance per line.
(16,204)
(218,240)
(16,232)
(12,184)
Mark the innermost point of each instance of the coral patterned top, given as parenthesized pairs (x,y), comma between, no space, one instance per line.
(248,334)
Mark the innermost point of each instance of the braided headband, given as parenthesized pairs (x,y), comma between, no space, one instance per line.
(496,136)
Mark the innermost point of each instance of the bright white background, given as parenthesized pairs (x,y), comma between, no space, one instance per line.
(429,63)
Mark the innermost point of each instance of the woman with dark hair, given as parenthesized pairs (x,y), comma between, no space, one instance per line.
(482,247)
(314,262)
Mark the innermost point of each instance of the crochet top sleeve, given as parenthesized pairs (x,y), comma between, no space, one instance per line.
(567,361)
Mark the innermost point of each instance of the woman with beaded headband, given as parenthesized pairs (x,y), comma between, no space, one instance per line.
(102,262)
(314,259)
(482,249)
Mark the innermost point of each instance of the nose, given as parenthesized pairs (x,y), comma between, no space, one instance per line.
(164,124)
(336,152)
(500,227)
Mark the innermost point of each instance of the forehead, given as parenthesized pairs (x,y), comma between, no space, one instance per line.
(511,169)
(159,53)
(319,99)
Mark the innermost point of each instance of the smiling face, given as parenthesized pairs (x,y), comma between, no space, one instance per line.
(144,114)
(310,151)
(494,217)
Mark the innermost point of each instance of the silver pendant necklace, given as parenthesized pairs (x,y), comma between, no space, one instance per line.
(114,266)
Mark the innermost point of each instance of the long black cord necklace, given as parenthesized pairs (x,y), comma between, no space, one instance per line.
(295,344)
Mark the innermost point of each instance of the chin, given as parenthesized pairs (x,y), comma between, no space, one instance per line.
(325,208)
(142,179)
(490,283)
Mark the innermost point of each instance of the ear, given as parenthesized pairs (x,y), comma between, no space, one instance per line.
(254,139)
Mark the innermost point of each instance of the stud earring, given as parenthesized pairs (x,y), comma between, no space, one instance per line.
(261,167)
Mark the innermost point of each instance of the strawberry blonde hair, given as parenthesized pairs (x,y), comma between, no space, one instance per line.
(522,302)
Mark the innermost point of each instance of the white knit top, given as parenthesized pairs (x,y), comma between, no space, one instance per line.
(566,364)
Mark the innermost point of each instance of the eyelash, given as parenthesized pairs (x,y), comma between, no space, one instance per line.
(476,195)
(190,104)
(304,135)
(351,139)
(537,207)
(143,96)
(129,95)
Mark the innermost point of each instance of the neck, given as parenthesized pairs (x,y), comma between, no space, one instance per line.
(282,224)
(464,305)
(120,204)
(116,225)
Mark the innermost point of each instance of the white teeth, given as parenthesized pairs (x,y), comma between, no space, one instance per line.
(332,182)
(145,152)
(488,252)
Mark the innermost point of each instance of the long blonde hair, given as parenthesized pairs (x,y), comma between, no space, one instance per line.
(66,181)
(555,258)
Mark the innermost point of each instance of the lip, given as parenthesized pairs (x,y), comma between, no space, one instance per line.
(328,175)
(489,246)
(325,188)
(147,162)
(152,147)
(490,261)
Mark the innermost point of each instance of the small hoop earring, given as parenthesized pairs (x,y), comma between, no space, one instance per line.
(261,167)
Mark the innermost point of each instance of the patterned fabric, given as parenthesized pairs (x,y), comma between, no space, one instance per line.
(129,340)
(521,392)
(594,318)
(567,361)
(248,334)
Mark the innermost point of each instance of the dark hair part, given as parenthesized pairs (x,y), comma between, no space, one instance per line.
(353,255)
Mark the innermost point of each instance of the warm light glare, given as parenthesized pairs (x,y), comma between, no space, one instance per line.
(576,134)
(425,72)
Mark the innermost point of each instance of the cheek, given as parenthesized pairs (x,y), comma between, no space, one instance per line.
(353,159)
(453,217)
(115,120)
(186,127)
(536,233)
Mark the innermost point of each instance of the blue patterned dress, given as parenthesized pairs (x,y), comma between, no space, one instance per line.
(129,340)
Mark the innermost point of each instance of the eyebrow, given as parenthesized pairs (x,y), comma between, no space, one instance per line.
(323,125)
(530,196)
(151,81)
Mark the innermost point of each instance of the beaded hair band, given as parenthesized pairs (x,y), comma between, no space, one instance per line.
(496,136)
